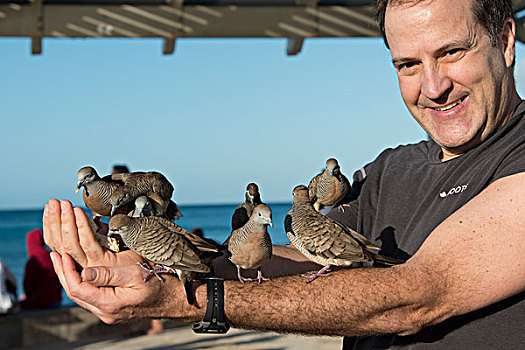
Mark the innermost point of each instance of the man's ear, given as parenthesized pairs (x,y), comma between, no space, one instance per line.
(508,38)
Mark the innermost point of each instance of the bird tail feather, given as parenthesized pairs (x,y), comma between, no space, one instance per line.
(387,260)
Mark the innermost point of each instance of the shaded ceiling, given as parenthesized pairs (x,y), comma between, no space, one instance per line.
(171,19)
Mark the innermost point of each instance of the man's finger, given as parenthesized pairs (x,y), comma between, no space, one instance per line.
(90,246)
(70,240)
(57,265)
(54,224)
(71,277)
(59,269)
(45,225)
(79,291)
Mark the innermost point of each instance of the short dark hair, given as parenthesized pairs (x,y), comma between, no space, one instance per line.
(489,13)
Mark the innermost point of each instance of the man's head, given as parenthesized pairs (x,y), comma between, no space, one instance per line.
(454,64)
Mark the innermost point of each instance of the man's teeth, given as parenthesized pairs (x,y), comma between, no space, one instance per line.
(450,106)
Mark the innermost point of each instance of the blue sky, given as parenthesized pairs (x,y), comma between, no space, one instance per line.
(213,117)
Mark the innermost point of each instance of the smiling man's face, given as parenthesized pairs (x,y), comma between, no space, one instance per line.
(455,83)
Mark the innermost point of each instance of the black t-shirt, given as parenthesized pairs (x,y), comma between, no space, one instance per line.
(398,200)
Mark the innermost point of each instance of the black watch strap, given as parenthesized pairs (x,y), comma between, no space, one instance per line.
(214,320)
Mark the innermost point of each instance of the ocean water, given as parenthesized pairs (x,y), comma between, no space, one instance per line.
(214,220)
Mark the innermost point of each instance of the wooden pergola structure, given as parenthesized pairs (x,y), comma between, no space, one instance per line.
(295,20)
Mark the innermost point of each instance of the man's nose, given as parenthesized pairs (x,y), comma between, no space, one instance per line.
(435,82)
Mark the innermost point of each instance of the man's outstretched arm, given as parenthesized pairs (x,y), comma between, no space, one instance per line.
(473,259)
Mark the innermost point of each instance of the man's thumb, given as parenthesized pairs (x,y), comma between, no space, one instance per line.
(101,276)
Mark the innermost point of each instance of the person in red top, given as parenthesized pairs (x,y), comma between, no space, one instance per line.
(41,285)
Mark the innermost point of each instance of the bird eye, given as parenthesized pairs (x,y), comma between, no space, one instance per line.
(259,214)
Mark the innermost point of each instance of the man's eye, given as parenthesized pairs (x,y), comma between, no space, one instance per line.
(452,52)
(405,66)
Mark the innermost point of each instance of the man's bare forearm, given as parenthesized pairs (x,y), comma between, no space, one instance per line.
(349,302)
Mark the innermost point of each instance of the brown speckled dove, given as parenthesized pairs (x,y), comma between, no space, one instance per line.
(152,184)
(97,191)
(323,240)
(328,187)
(250,246)
(166,245)
(144,206)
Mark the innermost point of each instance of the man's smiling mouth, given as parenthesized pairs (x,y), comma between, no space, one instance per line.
(448,107)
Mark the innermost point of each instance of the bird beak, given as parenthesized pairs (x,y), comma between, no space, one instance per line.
(251,197)
(139,213)
(269,221)
(113,207)
(80,183)
(331,172)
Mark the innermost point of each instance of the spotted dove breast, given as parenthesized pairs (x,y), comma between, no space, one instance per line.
(328,187)
(98,191)
(250,246)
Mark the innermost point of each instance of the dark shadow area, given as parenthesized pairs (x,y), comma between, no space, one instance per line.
(389,245)
(222,341)
(277,266)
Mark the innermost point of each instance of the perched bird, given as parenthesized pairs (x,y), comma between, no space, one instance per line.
(170,247)
(152,184)
(242,213)
(328,187)
(97,191)
(144,206)
(250,246)
(323,240)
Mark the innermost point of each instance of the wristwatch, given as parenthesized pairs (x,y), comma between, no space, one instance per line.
(214,320)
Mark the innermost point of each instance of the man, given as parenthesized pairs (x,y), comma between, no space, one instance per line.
(455,205)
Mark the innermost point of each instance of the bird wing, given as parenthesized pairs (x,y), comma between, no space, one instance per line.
(127,178)
(240,217)
(160,184)
(162,246)
(197,241)
(323,237)
(312,188)
(360,238)
(288,223)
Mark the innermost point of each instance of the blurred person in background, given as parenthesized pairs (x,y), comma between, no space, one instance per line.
(119,169)
(42,289)
(8,286)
